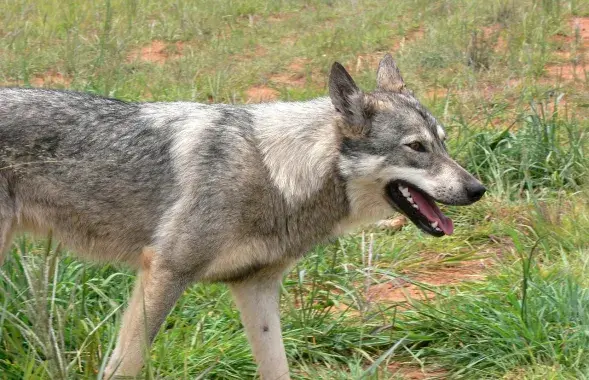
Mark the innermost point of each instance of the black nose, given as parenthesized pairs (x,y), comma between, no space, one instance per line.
(475,191)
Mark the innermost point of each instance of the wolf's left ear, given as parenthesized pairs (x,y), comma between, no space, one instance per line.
(388,76)
(349,101)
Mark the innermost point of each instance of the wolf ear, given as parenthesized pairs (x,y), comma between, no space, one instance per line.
(348,101)
(388,76)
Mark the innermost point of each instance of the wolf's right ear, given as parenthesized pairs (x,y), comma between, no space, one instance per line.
(348,101)
(388,76)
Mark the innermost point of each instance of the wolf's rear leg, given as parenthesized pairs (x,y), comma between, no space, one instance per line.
(5,236)
(6,218)
(156,291)
(257,299)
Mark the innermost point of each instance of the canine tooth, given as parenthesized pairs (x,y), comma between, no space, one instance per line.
(438,229)
(415,206)
(434,224)
(410,199)
(404,191)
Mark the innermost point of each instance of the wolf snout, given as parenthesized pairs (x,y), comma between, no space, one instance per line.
(475,191)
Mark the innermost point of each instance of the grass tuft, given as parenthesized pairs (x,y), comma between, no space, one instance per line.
(546,151)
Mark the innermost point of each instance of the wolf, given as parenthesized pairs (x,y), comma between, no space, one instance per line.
(188,192)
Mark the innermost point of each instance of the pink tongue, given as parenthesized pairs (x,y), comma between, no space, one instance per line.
(431,211)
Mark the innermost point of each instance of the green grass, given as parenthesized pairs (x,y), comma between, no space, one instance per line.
(528,315)
(546,152)
(521,130)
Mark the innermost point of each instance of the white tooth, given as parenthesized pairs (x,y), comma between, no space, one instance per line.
(410,199)
(437,229)
(435,224)
(405,191)
(415,206)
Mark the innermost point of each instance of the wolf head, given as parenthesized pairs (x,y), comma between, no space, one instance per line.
(392,145)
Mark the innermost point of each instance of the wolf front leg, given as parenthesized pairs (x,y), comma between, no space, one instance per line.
(156,291)
(257,299)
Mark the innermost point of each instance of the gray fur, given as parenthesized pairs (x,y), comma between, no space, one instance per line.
(190,192)
(388,76)
(349,102)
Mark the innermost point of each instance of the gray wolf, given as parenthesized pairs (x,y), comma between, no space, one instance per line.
(188,192)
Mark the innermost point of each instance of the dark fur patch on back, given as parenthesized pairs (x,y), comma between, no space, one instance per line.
(231,121)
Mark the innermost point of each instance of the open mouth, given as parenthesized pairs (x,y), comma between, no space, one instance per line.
(419,207)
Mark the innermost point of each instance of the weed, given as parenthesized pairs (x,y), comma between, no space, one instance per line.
(546,151)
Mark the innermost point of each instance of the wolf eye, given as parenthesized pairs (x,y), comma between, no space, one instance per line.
(416,146)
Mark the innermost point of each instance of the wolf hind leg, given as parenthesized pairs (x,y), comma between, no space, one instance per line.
(5,237)
(156,291)
(6,219)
